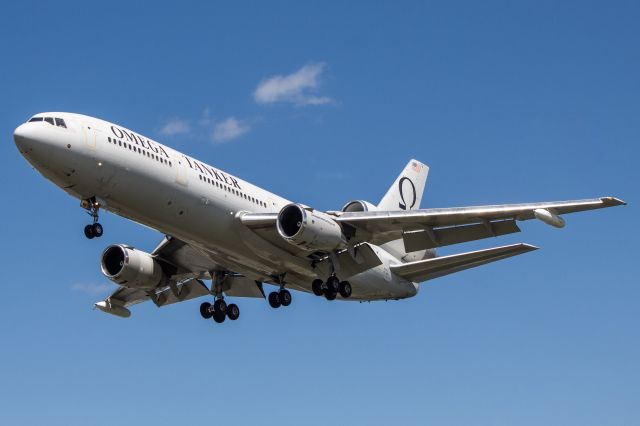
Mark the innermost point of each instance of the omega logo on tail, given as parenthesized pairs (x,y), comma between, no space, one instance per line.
(403,204)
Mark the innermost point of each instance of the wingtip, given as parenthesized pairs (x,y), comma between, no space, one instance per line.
(613,201)
(530,247)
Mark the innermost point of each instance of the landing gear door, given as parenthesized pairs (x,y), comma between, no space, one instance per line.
(182,173)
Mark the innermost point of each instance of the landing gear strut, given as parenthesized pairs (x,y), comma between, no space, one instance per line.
(92,206)
(331,288)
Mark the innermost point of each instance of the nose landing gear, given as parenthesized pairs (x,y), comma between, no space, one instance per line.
(92,206)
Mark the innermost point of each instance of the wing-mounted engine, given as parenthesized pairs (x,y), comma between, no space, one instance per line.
(309,229)
(131,268)
(359,206)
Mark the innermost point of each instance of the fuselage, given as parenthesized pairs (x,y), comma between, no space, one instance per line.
(157,186)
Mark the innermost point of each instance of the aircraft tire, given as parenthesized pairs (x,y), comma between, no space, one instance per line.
(345,289)
(88,231)
(233,312)
(285,297)
(205,310)
(220,306)
(219,316)
(333,284)
(316,287)
(330,295)
(274,299)
(97,229)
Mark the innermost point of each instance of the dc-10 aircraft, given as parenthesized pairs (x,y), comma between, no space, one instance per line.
(221,228)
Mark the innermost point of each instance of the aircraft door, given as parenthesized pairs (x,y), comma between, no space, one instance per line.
(89,131)
(182,172)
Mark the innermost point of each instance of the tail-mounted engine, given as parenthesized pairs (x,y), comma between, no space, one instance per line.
(132,268)
(359,206)
(309,229)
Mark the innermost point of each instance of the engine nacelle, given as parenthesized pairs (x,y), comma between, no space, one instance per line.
(359,206)
(309,229)
(129,267)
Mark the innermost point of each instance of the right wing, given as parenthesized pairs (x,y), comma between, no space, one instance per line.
(429,228)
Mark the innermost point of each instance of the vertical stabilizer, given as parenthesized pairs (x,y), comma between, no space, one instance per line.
(406,191)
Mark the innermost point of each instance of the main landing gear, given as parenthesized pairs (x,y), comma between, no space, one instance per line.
(331,288)
(92,206)
(280,298)
(219,311)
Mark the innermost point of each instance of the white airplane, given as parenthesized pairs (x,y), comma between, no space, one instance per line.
(221,228)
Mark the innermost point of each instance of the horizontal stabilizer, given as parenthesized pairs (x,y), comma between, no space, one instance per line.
(424,270)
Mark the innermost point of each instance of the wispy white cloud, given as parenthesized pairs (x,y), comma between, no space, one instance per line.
(297,88)
(205,120)
(229,129)
(92,288)
(175,126)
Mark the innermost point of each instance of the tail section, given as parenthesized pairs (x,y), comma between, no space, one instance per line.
(406,191)
(428,269)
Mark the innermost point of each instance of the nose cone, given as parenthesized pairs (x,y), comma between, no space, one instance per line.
(24,136)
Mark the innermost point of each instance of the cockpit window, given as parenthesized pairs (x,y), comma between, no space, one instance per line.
(59,122)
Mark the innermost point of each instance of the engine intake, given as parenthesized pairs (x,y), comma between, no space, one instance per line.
(132,268)
(309,229)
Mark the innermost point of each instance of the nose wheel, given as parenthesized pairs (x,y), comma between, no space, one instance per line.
(94,230)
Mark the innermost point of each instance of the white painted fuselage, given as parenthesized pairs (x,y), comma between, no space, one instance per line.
(154,185)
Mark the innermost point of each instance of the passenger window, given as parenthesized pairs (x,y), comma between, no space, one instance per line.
(60,123)
(36,119)
(49,120)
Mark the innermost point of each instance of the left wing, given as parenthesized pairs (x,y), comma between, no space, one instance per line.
(188,266)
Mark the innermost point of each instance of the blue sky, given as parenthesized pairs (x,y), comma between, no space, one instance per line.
(324,103)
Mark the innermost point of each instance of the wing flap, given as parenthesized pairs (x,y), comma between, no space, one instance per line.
(185,291)
(239,286)
(360,259)
(424,270)
(189,261)
(428,239)
(123,297)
